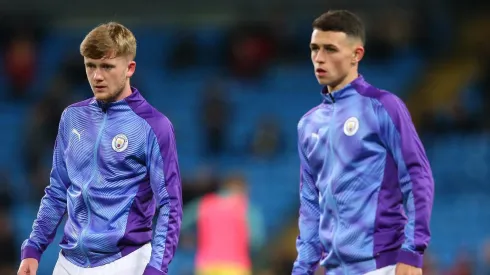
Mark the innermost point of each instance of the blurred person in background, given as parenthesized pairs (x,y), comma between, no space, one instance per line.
(203,181)
(110,192)
(267,139)
(20,38)
(366,187)
(20,62)
(215,116)
(248,50)
(229,229)
(184,54)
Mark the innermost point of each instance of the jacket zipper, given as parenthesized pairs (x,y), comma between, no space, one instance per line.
(85,187)
(333,201)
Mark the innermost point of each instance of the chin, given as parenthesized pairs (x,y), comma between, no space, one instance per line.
(329,81)
(102,97)
(99,96)
(323,82)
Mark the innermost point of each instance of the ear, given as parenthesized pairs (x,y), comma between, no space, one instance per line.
(131,68)
(357,55)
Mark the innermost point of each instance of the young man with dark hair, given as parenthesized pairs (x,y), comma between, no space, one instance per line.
(366,187)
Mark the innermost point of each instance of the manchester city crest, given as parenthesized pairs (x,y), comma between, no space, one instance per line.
(120,143)
(351,126)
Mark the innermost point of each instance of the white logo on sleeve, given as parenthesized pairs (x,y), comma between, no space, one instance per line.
(78,134)
(351,126)
(120,143)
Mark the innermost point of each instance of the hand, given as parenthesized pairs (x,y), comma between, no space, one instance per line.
(28,266)
(404,269)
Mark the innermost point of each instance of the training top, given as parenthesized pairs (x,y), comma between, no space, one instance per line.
(366,187)
(114,165)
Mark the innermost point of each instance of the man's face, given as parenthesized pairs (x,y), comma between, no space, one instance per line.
(108,77)
(333,54)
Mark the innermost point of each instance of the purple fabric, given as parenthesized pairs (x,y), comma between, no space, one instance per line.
(83,102)
(410,258)
(30,252)
(150,270)
(414,160)
(151,150)
(308,243)
(386,259)
(164,133)
(387,235)
(138,227)
(363,225)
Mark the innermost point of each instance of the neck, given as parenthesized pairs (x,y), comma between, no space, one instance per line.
(344,82)
(125,93)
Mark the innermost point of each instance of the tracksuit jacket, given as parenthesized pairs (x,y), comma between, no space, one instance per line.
(366,187)
(114,165)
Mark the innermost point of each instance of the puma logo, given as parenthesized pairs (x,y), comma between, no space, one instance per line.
(75,131)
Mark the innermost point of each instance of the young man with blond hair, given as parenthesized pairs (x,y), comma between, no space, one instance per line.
(114,163)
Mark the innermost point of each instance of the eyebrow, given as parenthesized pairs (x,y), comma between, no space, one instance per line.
(323,45)
(102,64)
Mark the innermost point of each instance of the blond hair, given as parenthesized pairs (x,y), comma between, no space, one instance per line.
(107,41)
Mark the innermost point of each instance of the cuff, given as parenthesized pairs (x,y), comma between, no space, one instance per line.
(150,270)
(410,258)
(30,252)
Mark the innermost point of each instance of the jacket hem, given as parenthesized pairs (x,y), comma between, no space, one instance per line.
(410,258)
(386,258)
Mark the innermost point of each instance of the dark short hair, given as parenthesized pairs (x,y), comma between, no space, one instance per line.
(341,21)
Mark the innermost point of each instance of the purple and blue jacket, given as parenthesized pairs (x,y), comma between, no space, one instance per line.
(366,187)
(114,165)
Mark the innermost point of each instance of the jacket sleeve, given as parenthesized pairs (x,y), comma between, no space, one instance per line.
(308,242)
(53,204)
(415,176)
(165,182)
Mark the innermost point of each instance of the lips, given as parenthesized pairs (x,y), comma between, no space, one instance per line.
(320,70)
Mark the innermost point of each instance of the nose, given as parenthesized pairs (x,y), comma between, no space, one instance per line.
(97,75)
(319,57)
